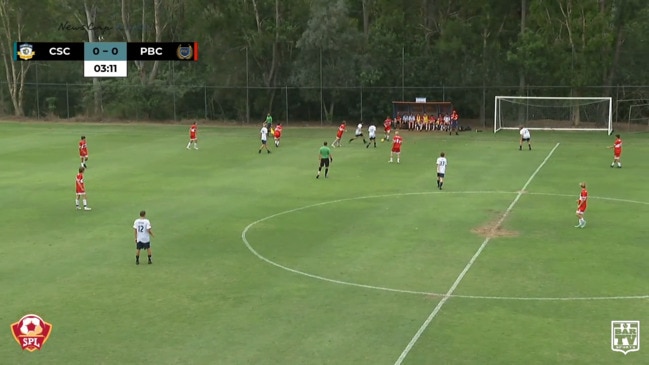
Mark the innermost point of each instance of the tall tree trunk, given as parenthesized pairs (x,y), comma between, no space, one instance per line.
(91,18)
(521,72)
(619,41)
(366,19)
(272,74)
(158,27)
(126,22)
(15,74)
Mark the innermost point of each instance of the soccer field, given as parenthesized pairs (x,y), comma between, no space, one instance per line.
(258,262)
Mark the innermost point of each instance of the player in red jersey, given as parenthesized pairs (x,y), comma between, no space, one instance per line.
(617,151)
(81,190)
(396,146)
(83,151)
(277,133)
(387,127)
(339,134)
(581,206)
(193,129)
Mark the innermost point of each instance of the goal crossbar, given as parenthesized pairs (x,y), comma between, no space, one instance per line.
(605,120)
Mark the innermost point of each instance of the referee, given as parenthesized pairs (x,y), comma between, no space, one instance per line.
(325,158)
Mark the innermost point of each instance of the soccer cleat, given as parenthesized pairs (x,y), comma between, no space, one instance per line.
(150,262)
(317,176)
(78,207)
(87,208)
(578,226)
(137,262)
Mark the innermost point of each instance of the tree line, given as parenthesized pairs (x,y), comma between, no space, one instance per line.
(321,58)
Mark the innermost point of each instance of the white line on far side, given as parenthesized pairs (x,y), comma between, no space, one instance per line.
(448,295)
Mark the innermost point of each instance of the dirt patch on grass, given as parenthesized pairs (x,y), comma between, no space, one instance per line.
(493,230)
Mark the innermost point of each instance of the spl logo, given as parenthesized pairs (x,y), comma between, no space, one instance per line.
(625,336)
(31,332)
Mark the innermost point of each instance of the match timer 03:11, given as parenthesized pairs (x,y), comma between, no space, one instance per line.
(105,59)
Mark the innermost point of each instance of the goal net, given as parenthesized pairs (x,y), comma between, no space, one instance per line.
(554,113)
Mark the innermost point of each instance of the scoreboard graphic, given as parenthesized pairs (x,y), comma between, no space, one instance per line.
(105,59)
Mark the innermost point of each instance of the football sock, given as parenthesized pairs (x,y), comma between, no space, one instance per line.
(268,151)
(619,164)
(520,148)
(260,150)
(196,145)
(189,144)
(85,203)
(364,141)
(137,259)
(441,183)
(149,258)
(326,172)
(612,164)
(77,202)
(438,183)
(350,141)
(530,146)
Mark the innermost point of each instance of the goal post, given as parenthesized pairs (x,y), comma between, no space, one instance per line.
(553,113)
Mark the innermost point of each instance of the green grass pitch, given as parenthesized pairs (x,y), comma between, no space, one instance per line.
(343,270)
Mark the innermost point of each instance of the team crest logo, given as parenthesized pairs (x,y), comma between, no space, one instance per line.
(26,51)
(31,332)
(625,336)
(184,53)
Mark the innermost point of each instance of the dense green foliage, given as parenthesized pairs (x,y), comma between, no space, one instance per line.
(328,59)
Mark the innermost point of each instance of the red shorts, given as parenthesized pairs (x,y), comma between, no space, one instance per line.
(395,149)
(79,191)
(339,135)
(617,154)
(83,154)
(581,210)
(387,129)
(192,137)
(277,135)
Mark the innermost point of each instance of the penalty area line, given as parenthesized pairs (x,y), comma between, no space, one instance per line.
(457,281)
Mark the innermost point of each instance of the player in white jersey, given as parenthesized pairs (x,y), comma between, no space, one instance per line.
(441,169)
(143,235)
(264,138)
(358,133)
(371,131)
(525,137)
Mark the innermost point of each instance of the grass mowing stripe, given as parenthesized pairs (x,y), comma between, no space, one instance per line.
(450,292)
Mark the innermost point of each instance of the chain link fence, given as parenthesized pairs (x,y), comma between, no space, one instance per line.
(110,100)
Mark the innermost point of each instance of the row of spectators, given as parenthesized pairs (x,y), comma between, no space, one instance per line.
(425,122)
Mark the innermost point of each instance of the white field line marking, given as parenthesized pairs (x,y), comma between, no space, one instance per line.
(341,282)
(448,294)
(405,291)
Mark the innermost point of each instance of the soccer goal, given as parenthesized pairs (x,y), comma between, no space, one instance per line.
(554,113)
